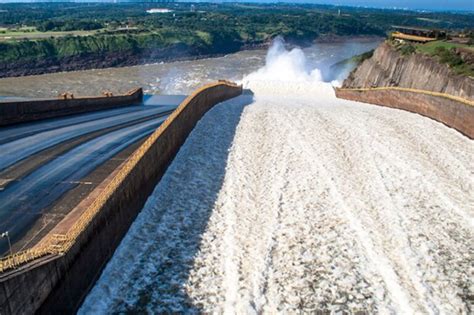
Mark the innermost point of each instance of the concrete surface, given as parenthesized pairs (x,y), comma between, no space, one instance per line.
(451,113)
(58,284)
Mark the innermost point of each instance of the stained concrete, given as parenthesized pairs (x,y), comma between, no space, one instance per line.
(388,67)
(453,114)
(58,284)
(19,111)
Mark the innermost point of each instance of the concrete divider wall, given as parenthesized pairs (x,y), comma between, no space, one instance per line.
(457,114)
(24,111)
(59,283)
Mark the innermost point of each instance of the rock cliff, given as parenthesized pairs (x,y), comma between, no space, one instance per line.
(388,67)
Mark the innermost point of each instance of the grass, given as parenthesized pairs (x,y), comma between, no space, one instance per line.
(205,36)
(430,48)
(32,33)
(443,51)
(19,31)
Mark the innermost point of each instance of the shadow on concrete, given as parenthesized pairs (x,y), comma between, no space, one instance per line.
(151,266)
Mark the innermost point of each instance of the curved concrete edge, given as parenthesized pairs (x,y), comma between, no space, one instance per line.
(60,282)
(455,114)
(15,112)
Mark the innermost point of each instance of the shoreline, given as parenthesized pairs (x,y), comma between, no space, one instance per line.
(172,77)
(98,64)
(134,60)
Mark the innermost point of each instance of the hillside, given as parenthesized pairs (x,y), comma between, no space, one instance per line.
(390,66)
(50,37)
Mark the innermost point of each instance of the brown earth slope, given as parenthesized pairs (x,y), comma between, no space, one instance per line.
(388,67)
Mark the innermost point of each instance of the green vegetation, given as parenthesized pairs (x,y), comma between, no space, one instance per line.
(69,25)
(407,50)
(445,52)
(83,45)
(431,48)
(352,62)
(54,31)
(9,35)
(360,58)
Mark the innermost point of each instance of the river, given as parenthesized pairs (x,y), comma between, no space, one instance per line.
(176,77)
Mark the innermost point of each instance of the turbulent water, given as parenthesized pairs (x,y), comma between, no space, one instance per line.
(175,77)
(290,200)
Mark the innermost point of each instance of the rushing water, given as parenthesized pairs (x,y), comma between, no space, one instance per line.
(175,77)
(290,200)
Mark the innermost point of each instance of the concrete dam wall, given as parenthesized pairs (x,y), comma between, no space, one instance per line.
(416,83)
(388,67)
(14,112)
(73,256)
(457,114)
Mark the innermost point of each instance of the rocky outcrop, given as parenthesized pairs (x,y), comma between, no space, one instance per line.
(391,79)
(388,67)
(466,54)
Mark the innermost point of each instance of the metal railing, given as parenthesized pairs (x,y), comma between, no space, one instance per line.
(58,244)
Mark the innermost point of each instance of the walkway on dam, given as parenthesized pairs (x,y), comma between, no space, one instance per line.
(291,205)
(48,167)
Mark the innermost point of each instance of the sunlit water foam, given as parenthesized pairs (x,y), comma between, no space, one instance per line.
(286,74)
(149,248)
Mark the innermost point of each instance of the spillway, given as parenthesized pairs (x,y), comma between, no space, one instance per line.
(289,204)
(289,200)
(44,164)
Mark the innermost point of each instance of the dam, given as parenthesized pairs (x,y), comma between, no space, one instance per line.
(65,158)
(291,200)
(266,196)
(301,204)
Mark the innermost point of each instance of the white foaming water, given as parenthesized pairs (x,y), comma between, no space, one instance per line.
(287,74)
(290,202)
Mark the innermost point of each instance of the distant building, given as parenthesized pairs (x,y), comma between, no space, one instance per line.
(416,34)
(159,10)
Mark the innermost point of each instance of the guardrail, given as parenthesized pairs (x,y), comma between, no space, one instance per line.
(59,244)
(17,259)
(396,88)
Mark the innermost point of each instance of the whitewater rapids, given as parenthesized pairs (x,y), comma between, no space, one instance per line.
(288,203)
(328,207)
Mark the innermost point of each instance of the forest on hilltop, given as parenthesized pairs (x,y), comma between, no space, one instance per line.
(35,37)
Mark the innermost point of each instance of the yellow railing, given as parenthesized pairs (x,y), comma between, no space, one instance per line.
(61,243)
(396,88)
(413,37)
(15,260)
